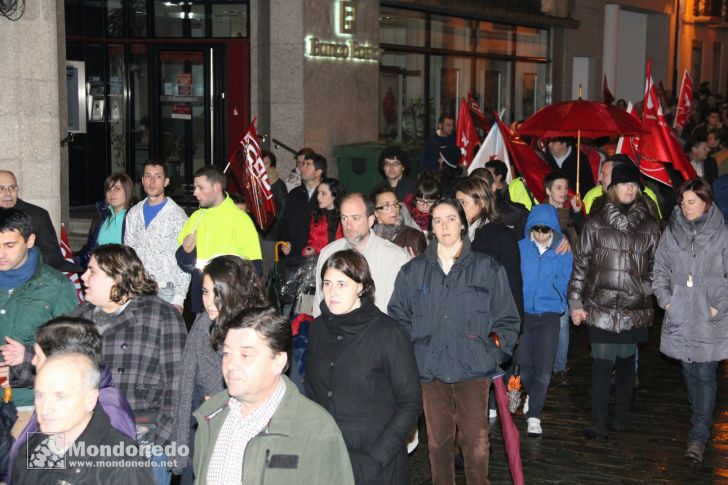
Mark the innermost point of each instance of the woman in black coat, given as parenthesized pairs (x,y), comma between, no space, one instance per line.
(361,367)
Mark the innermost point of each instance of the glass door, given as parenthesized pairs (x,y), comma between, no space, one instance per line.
(185,115)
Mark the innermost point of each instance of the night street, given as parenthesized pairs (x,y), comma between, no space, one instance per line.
(651,453)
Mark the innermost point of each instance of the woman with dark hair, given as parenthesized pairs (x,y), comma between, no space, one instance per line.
(394,167)
(78,335)
(142,338)
(107,227)
(325,226)
(610,291)
(361,368)
(690,283)
(451,299)
(229,285)
(487,235)
(427,191)
(391,224)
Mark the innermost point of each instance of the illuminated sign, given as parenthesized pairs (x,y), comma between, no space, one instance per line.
(347,18)
(350,50)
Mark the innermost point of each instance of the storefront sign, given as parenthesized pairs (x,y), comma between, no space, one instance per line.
(181,112)
(350,50)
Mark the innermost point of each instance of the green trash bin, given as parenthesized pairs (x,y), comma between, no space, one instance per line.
(358,164)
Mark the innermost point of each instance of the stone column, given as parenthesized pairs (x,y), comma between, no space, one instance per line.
(29,105)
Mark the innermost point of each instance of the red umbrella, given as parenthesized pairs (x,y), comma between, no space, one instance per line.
(580,118)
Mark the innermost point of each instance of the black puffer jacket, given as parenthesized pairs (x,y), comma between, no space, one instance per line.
(612,268)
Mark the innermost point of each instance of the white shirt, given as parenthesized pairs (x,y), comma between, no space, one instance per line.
(385,260)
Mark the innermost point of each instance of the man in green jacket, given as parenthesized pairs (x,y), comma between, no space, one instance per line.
(261,430)
(31,293)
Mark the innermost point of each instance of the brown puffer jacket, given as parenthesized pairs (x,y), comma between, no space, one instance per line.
(612,268)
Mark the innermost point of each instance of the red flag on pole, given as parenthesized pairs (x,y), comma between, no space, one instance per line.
(684,102)
(529,164)
(248,170)
(658,144)
(649,168)
(466,137)
(68,256)
(607,96)
(476,113)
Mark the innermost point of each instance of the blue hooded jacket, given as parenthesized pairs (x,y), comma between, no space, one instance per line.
(545,276)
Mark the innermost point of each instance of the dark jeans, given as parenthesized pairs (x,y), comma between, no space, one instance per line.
(535,355)
(462,406)
(701,384)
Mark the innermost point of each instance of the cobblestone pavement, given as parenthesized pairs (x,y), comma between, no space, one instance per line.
(651,453)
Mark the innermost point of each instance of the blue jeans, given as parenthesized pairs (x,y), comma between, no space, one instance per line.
(562,350)
(701,384)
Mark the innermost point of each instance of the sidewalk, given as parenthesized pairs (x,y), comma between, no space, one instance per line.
(652,453)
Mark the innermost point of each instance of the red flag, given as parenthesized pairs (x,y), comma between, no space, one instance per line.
(68,256)
(529,164)
(658,144)
(249,172)
(684,102)
(466,137)
(476,113)
(607,96)
(630,146)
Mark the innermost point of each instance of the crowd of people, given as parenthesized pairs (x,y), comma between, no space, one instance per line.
(426,289)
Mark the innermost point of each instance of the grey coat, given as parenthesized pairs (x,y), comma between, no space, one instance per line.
(698,249)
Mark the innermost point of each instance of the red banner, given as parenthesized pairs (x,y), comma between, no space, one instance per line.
(68,256)
(248,170)
(684,102)
(466,136)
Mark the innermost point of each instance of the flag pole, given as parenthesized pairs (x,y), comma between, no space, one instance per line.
(578,156)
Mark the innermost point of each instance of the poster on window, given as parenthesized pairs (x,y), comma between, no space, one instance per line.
(530,81)
(389,104)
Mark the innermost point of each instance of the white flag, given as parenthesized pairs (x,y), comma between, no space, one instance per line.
(493,147)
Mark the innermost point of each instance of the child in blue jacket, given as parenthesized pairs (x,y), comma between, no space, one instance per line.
(545,278)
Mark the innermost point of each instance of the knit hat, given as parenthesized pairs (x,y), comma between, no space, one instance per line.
(624,173)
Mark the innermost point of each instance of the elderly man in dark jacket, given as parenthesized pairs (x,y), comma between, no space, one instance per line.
(451,299)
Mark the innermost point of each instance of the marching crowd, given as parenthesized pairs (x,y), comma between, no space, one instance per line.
(425,290)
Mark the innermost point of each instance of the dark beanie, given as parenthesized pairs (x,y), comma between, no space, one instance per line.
(624,173)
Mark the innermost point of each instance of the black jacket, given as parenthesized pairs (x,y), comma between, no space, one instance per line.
(405,187)
(586,182)
(501,243)
(98,433)
(361,367)
(512,214)
(45,237)
(449,317)
(612,272)
(294,225)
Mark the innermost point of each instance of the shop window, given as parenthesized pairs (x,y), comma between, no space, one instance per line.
(114,18)
(140,126)
(116,111)
(402,98)
(168,18)
(196,16)
(401,27)
(450,33)
(449,81)
(138,27)
(696,63)
(495,38)
(73,16)
(531,42)
(493,86)
(229,20)
(94,18)
(530,88)
(717,53)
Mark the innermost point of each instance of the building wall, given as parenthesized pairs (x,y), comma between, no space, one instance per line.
(29,104)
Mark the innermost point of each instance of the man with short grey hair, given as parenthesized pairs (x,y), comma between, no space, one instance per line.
(75,431)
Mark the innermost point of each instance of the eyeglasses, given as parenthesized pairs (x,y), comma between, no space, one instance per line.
(425,201)
(388,207)
(394,164)
(542,229)
(8,188)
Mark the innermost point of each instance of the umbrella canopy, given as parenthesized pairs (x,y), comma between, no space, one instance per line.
(588,119)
